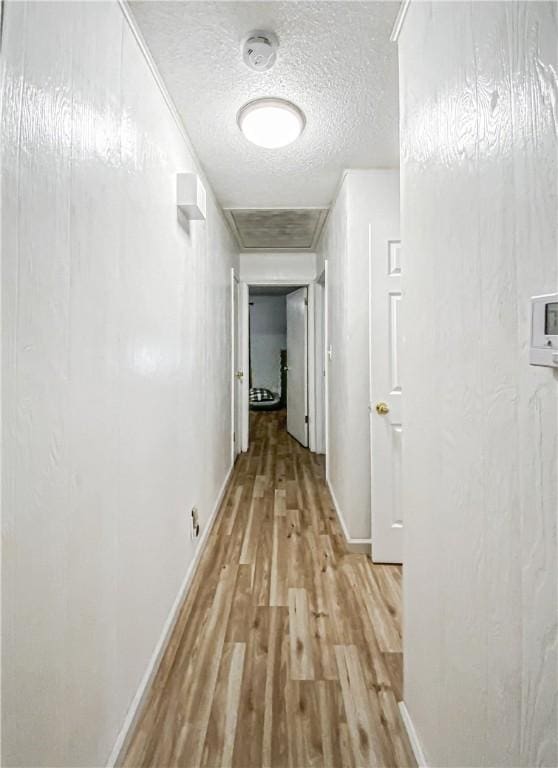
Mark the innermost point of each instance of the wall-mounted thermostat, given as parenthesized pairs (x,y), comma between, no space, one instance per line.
(190,194)
(544,330)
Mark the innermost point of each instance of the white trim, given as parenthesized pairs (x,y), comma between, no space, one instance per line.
(338,188)
(159,82)
(412,734)
(319,358)
(356,545)
(326,366)
(311,368)
(140,40)
(234,436)
(244,317)
(399,21)
(136,705)
(370,377)
(358,171)
(311,350)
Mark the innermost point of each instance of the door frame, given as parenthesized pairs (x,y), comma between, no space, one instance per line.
(320,320)
(326,361)
(306,377)
(311,366)
(244,357)
(310,357)
(239,331)
(234,325)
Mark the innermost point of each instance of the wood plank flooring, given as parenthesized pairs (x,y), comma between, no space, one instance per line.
(287,651)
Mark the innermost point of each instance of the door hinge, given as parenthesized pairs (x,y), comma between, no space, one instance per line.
(305,302)
(306,419)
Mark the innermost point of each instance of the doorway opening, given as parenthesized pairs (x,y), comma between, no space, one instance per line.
(278,354)
(279,332)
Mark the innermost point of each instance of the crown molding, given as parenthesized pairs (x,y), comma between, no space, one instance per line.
(399,20)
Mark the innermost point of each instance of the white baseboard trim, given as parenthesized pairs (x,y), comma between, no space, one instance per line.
(412,734)
(354,545)
(153,665)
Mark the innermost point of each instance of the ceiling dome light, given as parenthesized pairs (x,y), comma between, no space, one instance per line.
(271,123)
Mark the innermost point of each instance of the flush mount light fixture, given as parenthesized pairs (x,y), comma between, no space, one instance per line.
(271,123)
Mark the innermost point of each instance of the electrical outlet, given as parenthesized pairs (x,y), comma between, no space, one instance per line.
(195,529)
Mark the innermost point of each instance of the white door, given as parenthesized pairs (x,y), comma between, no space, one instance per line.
(319,410)
(327,357)
(385,401)
(236,368)
(241,374)
(297,363)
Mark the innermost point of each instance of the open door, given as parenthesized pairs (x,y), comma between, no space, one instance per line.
(319,365)
(385,402)
(236,369)
(297,365)
(241,373)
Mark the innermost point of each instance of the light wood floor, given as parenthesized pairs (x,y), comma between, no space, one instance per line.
(287,651)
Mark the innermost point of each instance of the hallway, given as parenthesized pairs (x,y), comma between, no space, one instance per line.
(341,208)
(287,651)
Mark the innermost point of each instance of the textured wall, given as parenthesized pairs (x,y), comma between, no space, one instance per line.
(268,336)
(283,267)
(367,199)
(116,374)
(479,175)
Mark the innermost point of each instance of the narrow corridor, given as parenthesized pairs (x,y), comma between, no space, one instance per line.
(287,651)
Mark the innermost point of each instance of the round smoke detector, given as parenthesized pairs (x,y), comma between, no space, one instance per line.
(259,50)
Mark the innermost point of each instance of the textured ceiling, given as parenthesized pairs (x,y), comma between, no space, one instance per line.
(335,61)
(277,229)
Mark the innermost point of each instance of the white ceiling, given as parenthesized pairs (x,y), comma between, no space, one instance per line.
(335,61)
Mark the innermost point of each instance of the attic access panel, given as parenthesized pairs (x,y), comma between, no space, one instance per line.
(294,229)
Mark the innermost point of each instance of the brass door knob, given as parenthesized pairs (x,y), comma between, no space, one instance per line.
(382,408)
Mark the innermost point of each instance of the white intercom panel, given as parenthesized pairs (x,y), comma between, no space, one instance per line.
(544,330)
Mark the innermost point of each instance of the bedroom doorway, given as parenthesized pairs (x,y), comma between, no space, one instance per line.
(277,370)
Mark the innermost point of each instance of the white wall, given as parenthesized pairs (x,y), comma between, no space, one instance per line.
(479,182)
(268,336)
(365,198)
(116,377)
(278,267)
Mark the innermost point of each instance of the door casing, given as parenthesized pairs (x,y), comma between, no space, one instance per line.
(244,341)
(318,426)
(297,364)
